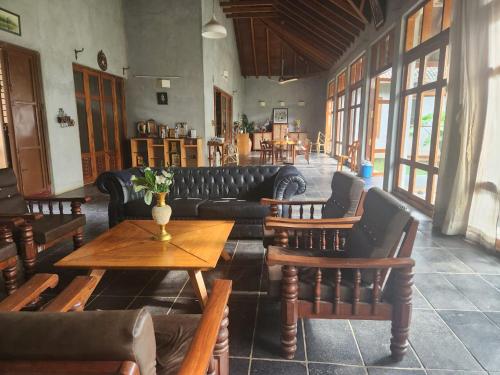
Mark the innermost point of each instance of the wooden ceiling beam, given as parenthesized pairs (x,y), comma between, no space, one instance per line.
(343,6)
(254,52)
(253,15)
(268,55)
(377,13)
(238,45)
(359,10)
(247,9)
(322,59)
(290,11)
(247,3)
(328,10)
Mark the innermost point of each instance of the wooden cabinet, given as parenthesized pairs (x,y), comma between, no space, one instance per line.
(158,152)
(279,131)
(260,136)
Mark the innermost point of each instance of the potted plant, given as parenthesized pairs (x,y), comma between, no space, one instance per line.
(156,183)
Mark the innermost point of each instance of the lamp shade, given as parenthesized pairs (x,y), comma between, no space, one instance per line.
(213,29)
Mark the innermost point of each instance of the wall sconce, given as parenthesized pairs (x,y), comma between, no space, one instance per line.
(64,120)
(282,103)
(301,103)
(163,83)
(225,74)
(262,103)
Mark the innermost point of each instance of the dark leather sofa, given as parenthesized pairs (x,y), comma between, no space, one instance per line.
(208,193)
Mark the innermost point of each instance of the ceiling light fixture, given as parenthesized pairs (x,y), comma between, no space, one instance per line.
(213,29)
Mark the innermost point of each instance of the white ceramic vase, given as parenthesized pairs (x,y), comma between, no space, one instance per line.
(161,215)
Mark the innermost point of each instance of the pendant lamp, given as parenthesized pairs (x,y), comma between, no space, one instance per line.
(213,29)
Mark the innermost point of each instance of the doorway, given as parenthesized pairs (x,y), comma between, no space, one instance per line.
(376,136)
(22,136)
(100,107)
(223,110)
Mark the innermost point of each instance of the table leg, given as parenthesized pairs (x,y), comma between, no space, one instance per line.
(272,155)
(225,255)
(293,154)
(199,286)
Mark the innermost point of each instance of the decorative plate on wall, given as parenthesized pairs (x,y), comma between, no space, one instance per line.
(102,60)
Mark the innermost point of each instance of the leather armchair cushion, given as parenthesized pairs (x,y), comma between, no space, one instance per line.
(232,209)
(53,227)
(138,209)
(346,192)
(7,250)
(185,207)
(173,335)
(126,335)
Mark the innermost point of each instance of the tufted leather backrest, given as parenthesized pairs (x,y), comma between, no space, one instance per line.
(346,193)
(11,201)
(380,229)
(249,183)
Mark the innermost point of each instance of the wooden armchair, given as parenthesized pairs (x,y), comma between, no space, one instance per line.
(369,278)
(351,157)
(128,342)
(8,259)
(305,149)
(266,151)
(44,221)
(319,145)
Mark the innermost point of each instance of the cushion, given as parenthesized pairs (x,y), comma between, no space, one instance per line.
(173,334)
(53,227)
(346,192)
(125,335)
(11,201)
(138,209)
(7,250)
(232,209)
(185,207)
(380,229)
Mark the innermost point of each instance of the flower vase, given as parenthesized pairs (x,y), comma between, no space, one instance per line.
(161,215)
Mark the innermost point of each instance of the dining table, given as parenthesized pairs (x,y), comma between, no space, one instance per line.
(279,145)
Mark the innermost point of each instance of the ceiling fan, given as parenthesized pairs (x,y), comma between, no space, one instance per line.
(282,80)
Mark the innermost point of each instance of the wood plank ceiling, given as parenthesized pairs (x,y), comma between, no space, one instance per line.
(297,38)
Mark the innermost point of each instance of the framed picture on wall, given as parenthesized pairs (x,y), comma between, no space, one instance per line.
(280,115)
(10,22)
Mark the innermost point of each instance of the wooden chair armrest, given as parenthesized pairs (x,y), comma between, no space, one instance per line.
(20,219)
(200,351)
(11,220)
(270,202)
(282,256)
(74,296)
(58,199)
(30,291)
(292,224)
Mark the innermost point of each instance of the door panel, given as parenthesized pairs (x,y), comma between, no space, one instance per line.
(23,69)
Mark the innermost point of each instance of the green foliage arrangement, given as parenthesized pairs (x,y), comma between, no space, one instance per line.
(153,182)
(247,127)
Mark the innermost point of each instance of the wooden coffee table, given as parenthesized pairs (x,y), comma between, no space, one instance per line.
(196,246)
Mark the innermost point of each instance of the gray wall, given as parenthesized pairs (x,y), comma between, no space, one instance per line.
(220,55)
(311,90)
(164,38)
(55,28)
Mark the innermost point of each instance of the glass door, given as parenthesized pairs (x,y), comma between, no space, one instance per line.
(340,115)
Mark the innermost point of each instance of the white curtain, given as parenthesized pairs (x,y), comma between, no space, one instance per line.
(468,192)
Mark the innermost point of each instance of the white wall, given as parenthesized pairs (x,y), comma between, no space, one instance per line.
(311,90)
(55,28)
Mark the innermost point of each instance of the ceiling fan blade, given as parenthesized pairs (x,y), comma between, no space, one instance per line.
(285,81)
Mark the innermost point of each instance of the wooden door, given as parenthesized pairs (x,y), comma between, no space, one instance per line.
(100,107)
(23,111)
(223,112)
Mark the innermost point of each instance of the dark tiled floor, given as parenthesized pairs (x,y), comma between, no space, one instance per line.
(456,317)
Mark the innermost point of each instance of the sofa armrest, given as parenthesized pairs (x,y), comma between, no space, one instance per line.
(75,336)
(288,182)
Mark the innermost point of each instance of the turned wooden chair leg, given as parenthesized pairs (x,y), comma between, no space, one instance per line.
(28,250)
(78,239)
(10,275)
(289,311)
(402,313)
(220,363)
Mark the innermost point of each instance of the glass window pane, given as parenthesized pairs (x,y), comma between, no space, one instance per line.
(412,73)
(110,125)
(82,125)
(94,85)
(442,120)
(413,29)
(353,97)
(404,177)
(356,124)
(78,78)
(420,183)
(97,125)
(119,108)
(107,87)
(408,126)
(431,67)
(358,96)
(427,101)
(433,15)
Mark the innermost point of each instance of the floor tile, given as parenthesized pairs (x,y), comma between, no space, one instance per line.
(478,259)
(186,306)
(386,371)
(248,253)
(482,294)
(493,280)
(267,335)
(128,283)
(331,340)
(242,310)
(494,317)
(165,284)
(442,260)
(418,300)
(455,372)
(441,293)
(109,303)
(374,338)
(328,369)
(238,366)
(260,367)
(155,305)
(479,335)
(436,345)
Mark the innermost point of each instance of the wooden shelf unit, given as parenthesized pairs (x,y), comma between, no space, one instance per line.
(158,152)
